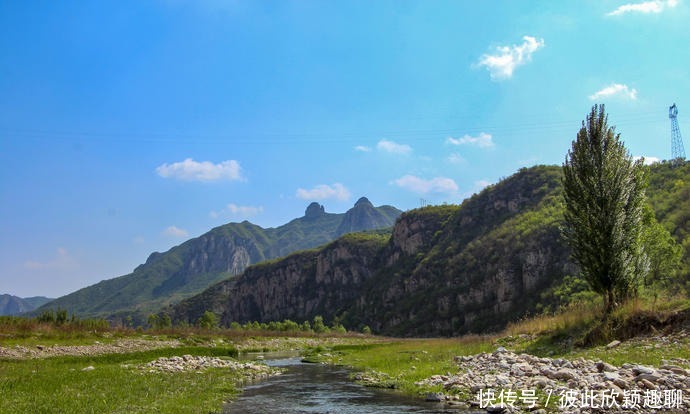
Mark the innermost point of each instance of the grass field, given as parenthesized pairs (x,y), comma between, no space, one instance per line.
(113,383)
(49,382)
(86,367)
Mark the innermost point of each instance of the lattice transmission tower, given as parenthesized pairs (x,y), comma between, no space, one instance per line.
(677,149)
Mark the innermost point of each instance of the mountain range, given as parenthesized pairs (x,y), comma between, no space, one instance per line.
(439,270)
(444,270)
(223,252)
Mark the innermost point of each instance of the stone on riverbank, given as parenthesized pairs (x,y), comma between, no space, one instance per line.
(506,371)
(188,363)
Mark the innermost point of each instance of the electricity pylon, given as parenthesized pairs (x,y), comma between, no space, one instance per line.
(677,149)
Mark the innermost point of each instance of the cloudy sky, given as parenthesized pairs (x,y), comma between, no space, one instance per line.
(127,127)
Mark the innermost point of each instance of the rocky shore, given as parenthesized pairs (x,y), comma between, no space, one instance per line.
(185,363)
(504,381)
(97,348)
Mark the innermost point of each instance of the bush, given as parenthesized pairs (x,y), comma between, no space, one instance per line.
(318,326)
(209,320)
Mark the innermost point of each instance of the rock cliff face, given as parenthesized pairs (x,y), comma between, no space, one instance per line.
(298,287)
(472,269)
(213,253)
(303,285)
(444,270)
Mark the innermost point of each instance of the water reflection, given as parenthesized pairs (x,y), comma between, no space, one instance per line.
(315,388)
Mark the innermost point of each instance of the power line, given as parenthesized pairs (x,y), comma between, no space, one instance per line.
(565,127)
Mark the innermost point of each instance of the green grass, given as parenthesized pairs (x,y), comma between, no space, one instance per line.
(637,352)
(58,384)
(401,363)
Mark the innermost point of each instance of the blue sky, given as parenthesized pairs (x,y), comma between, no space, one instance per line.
(127,127)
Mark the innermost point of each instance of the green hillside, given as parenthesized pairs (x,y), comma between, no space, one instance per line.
(191,267)
(445,270)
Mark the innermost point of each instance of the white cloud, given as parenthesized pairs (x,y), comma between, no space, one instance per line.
(174,231)
(62,261)
(235,210)
(483,140)
(323,191)
(190,170)
(456,158)
(645,7)
(393,147)
(362,148)
(502,64)
(422,186)
(615,89)
(647,160)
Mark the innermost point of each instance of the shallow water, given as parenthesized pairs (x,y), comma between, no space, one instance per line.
(316,388)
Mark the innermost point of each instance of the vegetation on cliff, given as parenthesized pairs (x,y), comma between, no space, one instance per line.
(444,270)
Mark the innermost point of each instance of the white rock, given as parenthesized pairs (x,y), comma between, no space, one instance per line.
(613,344)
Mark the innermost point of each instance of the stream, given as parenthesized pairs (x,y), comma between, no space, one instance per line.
(317,388)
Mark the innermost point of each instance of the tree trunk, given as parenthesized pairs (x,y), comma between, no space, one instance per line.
(610,299)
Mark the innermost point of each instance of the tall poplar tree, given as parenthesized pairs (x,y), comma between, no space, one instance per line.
(605,195)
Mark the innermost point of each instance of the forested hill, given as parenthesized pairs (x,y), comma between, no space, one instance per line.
(445,270)
(223,252)
(669,196)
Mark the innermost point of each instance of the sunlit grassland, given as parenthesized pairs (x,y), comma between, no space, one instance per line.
(400,363)
(59,383)
(114,385)
(47,383)
(582,330)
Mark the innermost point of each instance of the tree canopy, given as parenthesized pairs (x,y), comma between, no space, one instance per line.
(604,191)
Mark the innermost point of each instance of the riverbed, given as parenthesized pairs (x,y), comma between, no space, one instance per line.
(317,388)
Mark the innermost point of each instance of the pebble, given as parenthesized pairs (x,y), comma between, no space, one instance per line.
(435,397)
(505,370)
(97,348)
(187,363)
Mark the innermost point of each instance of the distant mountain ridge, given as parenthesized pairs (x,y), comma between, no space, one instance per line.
(364,216)
(14,305)
(223,252)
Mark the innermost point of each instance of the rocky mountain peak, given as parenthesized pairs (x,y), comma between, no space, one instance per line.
(364,202)
(363,216)
(314,210)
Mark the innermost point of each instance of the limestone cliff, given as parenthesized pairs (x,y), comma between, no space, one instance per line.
(315,282)
(486,267)
(444,270)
